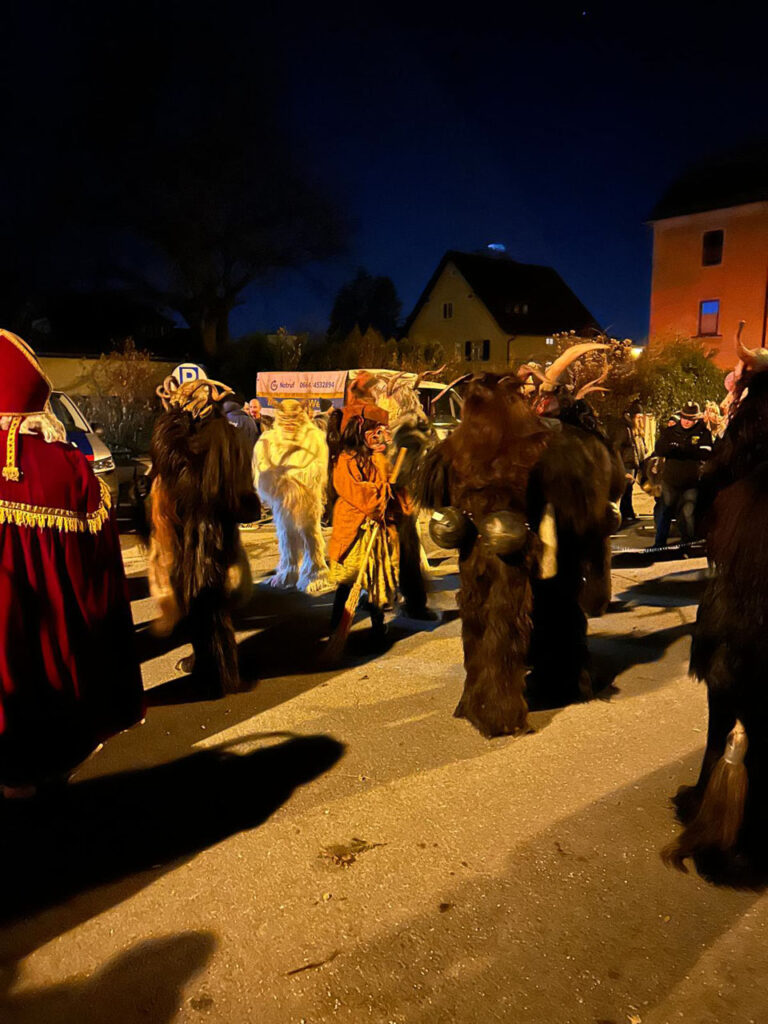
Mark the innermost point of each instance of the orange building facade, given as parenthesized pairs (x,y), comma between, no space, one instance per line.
(710,270)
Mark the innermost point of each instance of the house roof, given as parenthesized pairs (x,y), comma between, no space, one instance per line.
(503,284)
(730,179)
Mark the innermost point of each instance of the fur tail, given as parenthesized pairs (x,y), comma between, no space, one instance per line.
(721,812)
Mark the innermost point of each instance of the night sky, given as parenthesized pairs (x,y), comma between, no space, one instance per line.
(553,132)
(551,129)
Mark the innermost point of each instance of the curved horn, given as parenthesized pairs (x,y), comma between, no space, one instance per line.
(592,385)
(561,364)
(753,358)
(588,389)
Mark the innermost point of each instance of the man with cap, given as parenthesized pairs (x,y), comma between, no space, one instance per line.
(684,445)
(69,674)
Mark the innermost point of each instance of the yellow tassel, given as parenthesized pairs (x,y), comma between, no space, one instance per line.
(548,538)
(11,473)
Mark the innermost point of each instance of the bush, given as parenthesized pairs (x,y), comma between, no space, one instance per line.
(124,400)
(681,371)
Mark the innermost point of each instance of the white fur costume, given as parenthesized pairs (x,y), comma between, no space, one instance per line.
(290,467)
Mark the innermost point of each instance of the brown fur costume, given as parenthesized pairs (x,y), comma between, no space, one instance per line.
(580,476)
(202,488)
(484,466)
(724,813)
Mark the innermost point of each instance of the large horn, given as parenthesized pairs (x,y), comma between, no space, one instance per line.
(592,385)
(753,358)
(561,364)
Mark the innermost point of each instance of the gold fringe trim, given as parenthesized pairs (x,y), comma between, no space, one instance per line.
(40,517)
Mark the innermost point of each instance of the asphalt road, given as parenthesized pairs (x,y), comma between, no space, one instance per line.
(335,846)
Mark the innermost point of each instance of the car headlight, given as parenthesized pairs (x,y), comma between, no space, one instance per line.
(104,465)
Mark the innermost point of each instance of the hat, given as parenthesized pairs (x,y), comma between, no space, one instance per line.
(24,389)
(690,411)
(363,411)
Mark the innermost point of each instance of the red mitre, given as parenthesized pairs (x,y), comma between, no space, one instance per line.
(24,389)
(363,411)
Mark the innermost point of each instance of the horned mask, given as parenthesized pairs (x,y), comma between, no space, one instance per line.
(754,359)
(290,417)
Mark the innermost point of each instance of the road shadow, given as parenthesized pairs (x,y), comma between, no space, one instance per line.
(144,984)
(582,924)
(613,655)
(672,590)
(100,831)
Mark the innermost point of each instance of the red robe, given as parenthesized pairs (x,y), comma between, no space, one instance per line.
(69,674)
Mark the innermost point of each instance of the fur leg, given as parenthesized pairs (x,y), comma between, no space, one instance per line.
(722,718)
(719,818)
(412,585)
(213,643)
(287,571)
(313,578)
(495,603)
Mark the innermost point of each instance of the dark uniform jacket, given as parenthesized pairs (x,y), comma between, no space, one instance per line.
(683,449)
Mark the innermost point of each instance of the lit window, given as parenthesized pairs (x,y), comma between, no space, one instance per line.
(712,248)
(550,341)
(447,310)
(709,314)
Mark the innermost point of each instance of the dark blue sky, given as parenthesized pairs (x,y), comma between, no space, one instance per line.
(550,130)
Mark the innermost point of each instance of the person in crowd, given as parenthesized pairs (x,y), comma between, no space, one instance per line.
(684,445)
(626,435)
(290,470)
(714,420)
(364,497)
(202,489)
(725,831)
(69,673)
(242,418)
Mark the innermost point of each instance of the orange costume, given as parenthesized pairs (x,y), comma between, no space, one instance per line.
(364,496)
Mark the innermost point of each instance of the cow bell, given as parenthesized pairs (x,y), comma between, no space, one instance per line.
(448,527)
(504,532)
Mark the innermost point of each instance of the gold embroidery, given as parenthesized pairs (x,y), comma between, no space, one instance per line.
(42,517)
(11,471)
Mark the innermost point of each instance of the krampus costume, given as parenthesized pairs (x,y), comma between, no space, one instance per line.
(364,496)
(530,503)
(578,481)
(412,430)
(201,489)
(725,812)
(477,481)
(290,465)
(69,674)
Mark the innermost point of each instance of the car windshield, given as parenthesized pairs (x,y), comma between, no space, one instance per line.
(64,415)
(444,409)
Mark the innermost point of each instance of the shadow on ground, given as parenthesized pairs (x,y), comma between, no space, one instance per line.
(144,984)
(584,924)
(106,830)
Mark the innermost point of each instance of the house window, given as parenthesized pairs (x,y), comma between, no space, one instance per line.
(447,310)
(712,248)
(550,341)
(709,314)
(477,351)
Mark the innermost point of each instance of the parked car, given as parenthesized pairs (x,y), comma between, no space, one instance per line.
(86,437)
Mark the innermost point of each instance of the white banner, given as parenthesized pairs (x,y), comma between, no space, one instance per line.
(272,388)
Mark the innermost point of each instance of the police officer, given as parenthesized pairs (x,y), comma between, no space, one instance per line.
(684,445)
